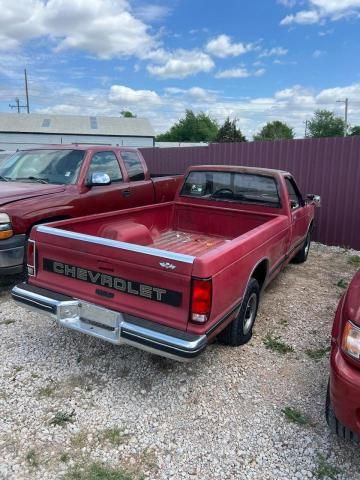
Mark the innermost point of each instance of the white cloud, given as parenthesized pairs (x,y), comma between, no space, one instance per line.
(240,72)
(127,96)
(152,13)
(274,52)
(318,53)
(222,47)
(304,17)
(102,27)
(321,10)
(287,3)
(181,64)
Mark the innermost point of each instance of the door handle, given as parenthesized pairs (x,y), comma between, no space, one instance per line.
(126,193)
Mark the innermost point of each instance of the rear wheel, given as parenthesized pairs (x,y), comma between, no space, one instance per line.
(239,331)
(335,425)
(302,254)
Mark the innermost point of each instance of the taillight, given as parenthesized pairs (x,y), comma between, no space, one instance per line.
(31,258)
(200,300)
(351,340)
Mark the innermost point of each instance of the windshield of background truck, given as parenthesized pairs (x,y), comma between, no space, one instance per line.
(60,167)
(232,187)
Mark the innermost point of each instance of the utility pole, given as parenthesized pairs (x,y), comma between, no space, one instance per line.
(27,93)
(17,106)
(306,127)
(346,102)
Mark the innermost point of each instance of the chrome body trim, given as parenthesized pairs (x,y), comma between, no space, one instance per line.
(179,257)
(111,326)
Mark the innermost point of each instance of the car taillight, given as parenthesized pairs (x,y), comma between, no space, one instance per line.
(200,300)
(31,258)
(351,340)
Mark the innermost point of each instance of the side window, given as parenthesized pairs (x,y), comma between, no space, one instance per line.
(294,194)
(133,166)
(106,162)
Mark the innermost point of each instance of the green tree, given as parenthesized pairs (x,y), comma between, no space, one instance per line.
(275,131)
(229,133)
(192,128)
(355,131)
(326,124)
(127,114)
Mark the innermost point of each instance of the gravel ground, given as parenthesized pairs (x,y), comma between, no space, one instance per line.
(140,416)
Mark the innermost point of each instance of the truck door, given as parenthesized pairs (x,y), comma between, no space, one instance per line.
(299,219)
(105,198)
(141,191)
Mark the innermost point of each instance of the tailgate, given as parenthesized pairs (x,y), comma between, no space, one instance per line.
(146,282)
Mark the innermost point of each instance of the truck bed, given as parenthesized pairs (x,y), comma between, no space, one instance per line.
(186,229)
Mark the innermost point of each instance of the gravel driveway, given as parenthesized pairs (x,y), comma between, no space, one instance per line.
(73,407)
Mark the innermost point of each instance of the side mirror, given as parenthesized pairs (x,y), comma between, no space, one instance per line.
(99,178)
(315,199)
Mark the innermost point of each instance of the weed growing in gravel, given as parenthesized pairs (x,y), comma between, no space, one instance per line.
(79,440)
(47,391)
(7,322)
(354,260)
(62,418)
(317,353)
(64,457)
(116,436)
(342,283)
(277,345)
(325,470)
(295,416)
(32,458)
(97,471)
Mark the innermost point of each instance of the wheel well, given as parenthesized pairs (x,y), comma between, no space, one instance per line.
(260,273)
(47,220)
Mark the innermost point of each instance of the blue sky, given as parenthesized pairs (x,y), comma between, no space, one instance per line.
(253,61)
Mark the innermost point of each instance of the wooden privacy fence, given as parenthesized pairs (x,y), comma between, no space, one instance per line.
(329,167)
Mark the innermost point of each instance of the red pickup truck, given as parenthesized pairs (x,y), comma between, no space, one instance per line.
(67,181)
(343,394)
(169,278)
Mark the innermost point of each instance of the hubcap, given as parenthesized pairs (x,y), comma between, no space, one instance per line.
(250,313)
(307,245)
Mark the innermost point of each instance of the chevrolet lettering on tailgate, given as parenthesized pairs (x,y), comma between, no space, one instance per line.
(123,285)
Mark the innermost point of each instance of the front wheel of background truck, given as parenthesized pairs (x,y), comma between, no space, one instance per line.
(239,331)
(302,254)
(335,425)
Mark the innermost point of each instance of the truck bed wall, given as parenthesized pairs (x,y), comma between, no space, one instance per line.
(209,220)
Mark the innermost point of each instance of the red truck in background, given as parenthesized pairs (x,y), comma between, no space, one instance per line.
(66,181)
(343,395)
(169,278)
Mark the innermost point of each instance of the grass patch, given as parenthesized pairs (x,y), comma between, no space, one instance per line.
(32,458)
(64,457)
(97,471)
(325,470)
(62,418)
(295,416)
(7,322)
(277,345)
(116,436)
(317,353)
(47,391)
(342,283)
(79,440)
(354,260)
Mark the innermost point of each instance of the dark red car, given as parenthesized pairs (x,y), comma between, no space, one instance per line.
(343,396)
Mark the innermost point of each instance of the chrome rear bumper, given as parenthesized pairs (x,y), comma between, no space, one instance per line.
(114,327)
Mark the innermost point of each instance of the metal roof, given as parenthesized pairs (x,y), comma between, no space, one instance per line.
(75,125)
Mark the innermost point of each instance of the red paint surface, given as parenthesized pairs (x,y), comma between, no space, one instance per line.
(345,371)
(228,240)
(32,203)
(329,167)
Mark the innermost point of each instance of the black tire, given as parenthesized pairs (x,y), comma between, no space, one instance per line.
(335,425)
(303,254)
(239,331)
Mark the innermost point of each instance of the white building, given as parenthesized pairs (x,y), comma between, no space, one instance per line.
(30,130)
